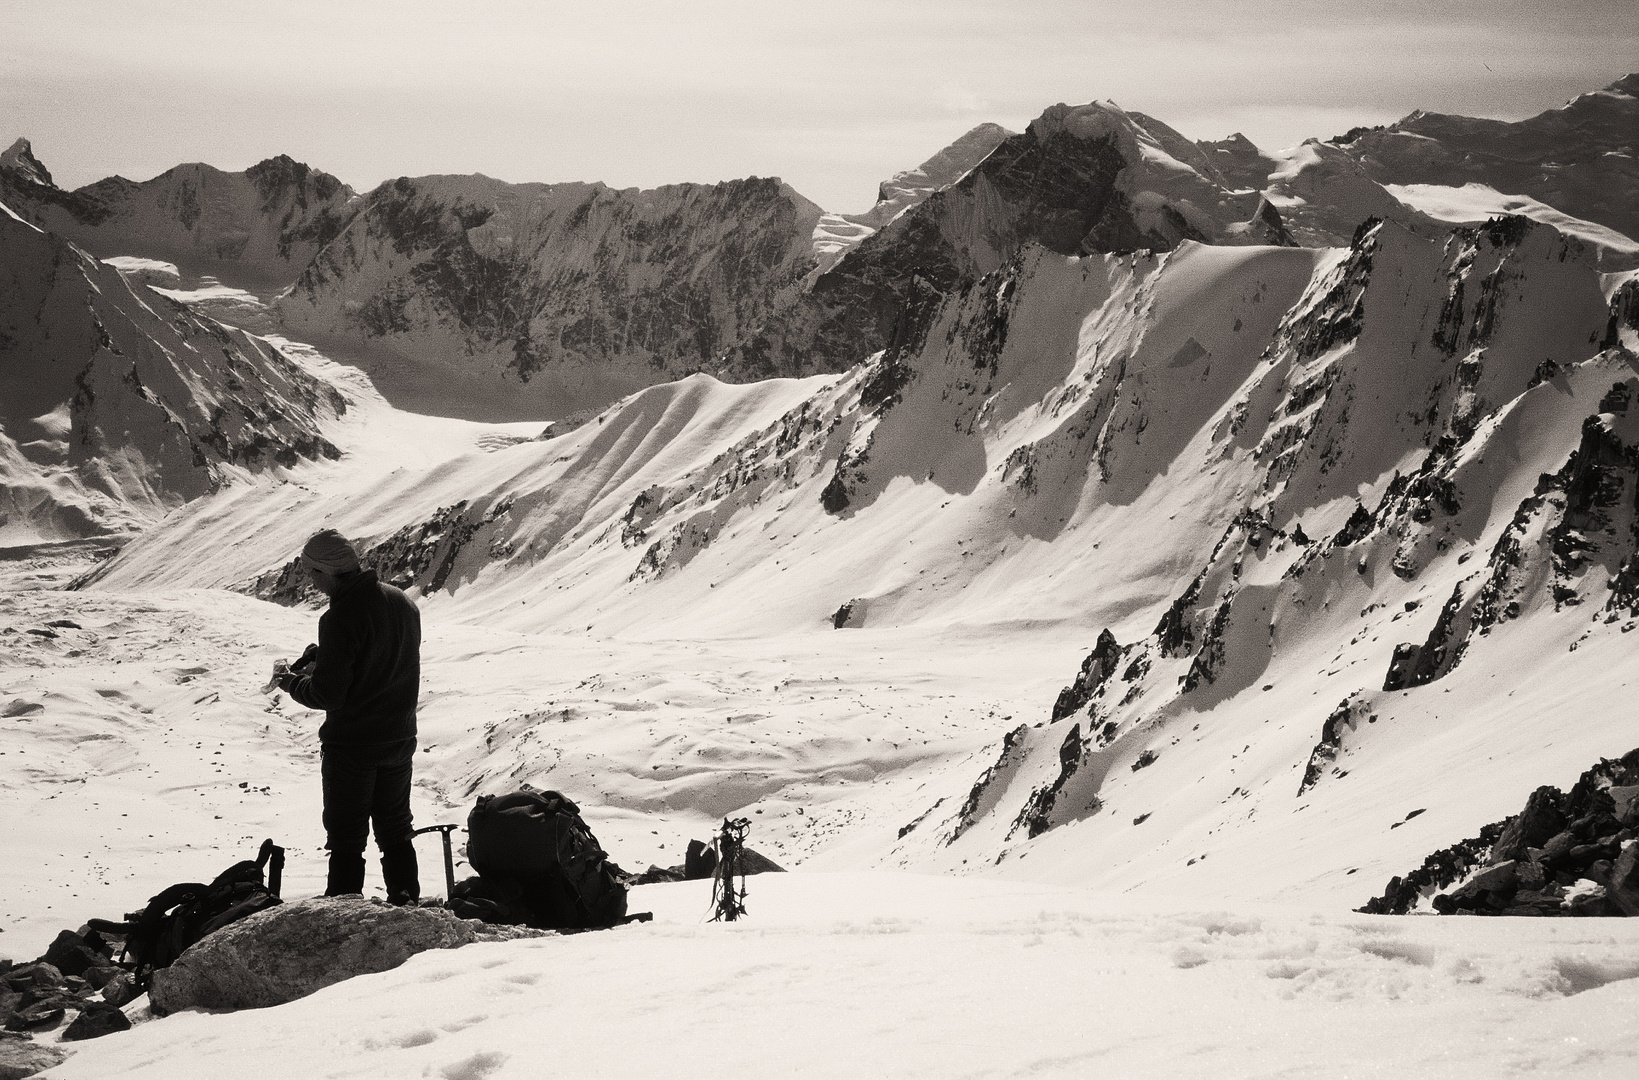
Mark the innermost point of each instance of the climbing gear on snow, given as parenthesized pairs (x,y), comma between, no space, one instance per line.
(728,902)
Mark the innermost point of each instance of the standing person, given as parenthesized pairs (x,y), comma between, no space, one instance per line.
(365,673)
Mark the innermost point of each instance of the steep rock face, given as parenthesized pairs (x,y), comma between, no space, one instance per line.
(1461,361)
(256,228)
(1080,180)
(1582,158)
(572,293)
(836,234)
(117,403)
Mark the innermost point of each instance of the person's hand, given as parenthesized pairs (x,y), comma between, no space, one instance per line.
(280,669)
(309,657)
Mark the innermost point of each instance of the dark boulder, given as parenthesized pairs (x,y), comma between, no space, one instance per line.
(1534,826)
(98,1019)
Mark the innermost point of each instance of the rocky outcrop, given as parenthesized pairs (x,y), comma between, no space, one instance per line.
(1099,666)
(256,228)
(289,951)
(75,985)
(1565,853)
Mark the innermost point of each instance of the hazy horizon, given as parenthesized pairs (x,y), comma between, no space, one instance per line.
(831,97)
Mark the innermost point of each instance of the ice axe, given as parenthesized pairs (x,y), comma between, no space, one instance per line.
(449,859)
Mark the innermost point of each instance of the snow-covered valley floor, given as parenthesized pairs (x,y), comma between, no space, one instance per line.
(153,757)
(850,975)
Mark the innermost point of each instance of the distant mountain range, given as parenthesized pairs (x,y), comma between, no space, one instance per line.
(472,297)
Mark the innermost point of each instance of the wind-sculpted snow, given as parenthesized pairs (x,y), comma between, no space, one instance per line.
(118,404)
(256,228)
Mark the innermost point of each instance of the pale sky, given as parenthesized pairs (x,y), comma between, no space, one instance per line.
(831,95)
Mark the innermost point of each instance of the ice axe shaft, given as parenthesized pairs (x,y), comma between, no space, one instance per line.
(449,859)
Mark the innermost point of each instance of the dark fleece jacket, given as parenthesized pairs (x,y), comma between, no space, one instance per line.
(368,673)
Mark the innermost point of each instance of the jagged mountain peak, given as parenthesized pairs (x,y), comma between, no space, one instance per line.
(254,229)
(19,160)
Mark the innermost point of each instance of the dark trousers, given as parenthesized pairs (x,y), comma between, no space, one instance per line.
(365,786)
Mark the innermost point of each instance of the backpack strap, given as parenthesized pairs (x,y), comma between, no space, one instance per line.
(152,926)
(272,856)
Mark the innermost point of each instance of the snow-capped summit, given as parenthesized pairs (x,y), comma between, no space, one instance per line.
(836,234)
(254,229)
(1581,158)
(910,187)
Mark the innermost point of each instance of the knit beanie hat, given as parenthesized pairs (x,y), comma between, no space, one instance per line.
(330,552)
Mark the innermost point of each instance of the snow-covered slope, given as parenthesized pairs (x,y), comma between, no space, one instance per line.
(548,299)
(1474,203)
(118,404)
(1181,447)
(1323,195)
(254,229)
(1582,158)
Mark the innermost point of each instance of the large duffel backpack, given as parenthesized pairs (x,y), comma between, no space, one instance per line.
(188,911)
(539,864)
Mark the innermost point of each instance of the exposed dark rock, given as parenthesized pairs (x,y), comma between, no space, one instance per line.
(1356,529)
(1528,864)
(38,975)
(1006,763)
(1209,662)
(1099,666)
(1346,715)
(1173,633)
(97,1020)
(1534,826)
(1036,816)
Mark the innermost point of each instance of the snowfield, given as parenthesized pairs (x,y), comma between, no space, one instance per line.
(848,975)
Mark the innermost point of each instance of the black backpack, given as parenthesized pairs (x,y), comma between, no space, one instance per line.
(538,858)
(187,912)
